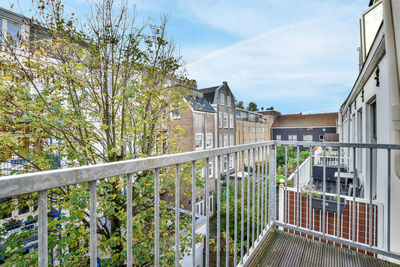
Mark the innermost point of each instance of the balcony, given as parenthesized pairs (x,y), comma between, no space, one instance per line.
(268,222)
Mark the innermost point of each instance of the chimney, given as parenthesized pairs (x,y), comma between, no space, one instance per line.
(224,83)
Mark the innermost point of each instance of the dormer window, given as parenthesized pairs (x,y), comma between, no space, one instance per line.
(13,30)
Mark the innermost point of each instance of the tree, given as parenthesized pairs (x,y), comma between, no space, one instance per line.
(100,95)
(240,105)
(252,107)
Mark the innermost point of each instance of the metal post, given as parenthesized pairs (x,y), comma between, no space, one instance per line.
(354,194)
(253,199)
(338,196)
(207,215)
(262,189)
(248,202)
(177,211)
(157,218)
(388,200)
(194,213)
(258,194)
(43,232)
(227,212)
(272,186)
(129,219)
(298,188)
(93,224)
(236,206)
(266,188)
(218,211)
(310,193)
(286,204)
(370,197)
(323,190)
(242,211)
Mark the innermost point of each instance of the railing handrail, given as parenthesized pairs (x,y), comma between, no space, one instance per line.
(38,181)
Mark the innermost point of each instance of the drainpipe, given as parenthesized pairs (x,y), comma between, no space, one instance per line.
(393,74)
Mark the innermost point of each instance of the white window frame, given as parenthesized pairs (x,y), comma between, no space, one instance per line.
(231,140)
(292,137)
(278,137)
(200,207)
(225,163)
(244,128)
(226,144)
(231,162)
(225,120)
(199,137)
(175,115)
(220,119)
(210,169)
(211,204)
(231,121)
(222,99)
(209,140)
(220,140)
(307,137)
(228,101)
(252,129)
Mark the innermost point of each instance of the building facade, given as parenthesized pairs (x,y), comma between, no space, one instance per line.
(299,127)
(371,111)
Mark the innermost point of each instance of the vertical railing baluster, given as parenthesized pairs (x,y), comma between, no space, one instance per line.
(370,196)
(43,232)
(242,211)
(157,218)
(323,190)
(248,201)
(207,214)
(298,188)
(218,211)
(388,199)
(338,195)
(193,213)
(310,222)
(227,211)
(177,212)
(285,209)
(93,224)
(354,194)
(266,187)
(272,181)
(262,189)
(129,220)
(258,193)
(236,204)
(253,199)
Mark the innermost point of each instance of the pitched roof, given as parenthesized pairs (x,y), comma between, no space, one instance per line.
(200,104)
(210,93)
(309,120)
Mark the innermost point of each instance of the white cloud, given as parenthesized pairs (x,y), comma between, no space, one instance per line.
(310,61)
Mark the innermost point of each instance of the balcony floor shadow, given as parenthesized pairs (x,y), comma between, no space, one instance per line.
(286,249)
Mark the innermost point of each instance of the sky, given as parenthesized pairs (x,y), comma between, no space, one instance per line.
(297,56)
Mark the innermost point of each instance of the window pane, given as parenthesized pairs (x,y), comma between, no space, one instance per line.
(13,29)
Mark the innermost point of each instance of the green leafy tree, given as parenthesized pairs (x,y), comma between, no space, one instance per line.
(87,96)
(252,107)
(240,105)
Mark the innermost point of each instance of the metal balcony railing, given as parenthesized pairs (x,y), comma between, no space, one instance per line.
(296,210)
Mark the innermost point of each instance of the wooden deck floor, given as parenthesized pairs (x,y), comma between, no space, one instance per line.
(285,249)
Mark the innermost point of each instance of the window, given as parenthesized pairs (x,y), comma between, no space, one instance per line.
(244,128)
(225,120)
(210,169)
(278,137)
(220,140)
(222,99)
(199,141)
(321,138)
(245,156)
(211,202)
(226,140)
(252,129)
(200,207)
(220,119)
(228,101)
(231,120)
(13,29)
(307,138)
(231,162)
(175,115)
(292,137)
(225,163)
(209,140)
(231,140)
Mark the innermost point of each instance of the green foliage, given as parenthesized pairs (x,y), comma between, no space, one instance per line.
(240,105)
(101,96)
(304,154)
(252,107)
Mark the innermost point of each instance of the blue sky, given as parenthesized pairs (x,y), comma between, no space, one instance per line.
(298,56)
